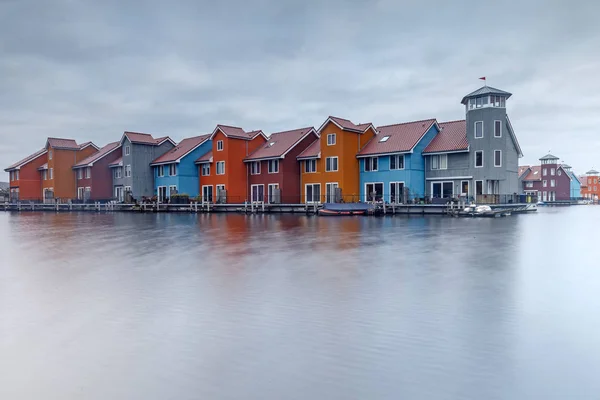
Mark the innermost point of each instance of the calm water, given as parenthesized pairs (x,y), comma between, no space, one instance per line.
(124,306)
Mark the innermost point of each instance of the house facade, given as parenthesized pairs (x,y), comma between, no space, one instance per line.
(549,181)
(575,182)
(273,168)
(133,176)
(175,171)
(59,180)
(392,166)
(591,187)
(329,168)
(25,181)
(223,175)
(94,176)
(477,156)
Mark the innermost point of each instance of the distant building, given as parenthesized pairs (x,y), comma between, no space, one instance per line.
(94,179)
(478,156)
(25,180)
(549,181)
(591,189)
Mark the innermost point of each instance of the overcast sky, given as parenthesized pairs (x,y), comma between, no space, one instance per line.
(89,70)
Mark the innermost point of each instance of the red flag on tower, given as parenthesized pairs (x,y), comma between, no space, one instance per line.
(482,78)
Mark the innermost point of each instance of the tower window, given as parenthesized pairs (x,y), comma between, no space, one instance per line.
(478,129)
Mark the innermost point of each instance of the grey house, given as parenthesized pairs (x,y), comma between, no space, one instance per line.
(477,156)
(132,174)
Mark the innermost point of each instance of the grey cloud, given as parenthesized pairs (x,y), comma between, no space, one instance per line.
(90,70)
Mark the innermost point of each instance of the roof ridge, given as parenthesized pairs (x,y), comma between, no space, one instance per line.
(139,133)
(292,130)
(451,122)
(406,123)
(231,126)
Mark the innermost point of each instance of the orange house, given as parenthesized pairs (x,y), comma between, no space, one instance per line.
(25,181)
(330,170)
(590,185)
(59,180)
(223,173)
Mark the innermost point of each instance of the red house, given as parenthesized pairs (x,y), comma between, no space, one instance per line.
(274,171)
(94,176)
(25,179)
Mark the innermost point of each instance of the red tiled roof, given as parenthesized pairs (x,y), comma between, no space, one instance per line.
(205,158)
(86,144)
(98,155)
(182,149)
(117,162)
(311,151)
(522,169)
(65,144)
(535,174)
(280,143)
(400,137)
(27,159)
(452,137)
(348,125)
(237,132)
(143,138)
(583,180)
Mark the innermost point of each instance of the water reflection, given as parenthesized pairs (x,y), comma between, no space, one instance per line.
(235,306)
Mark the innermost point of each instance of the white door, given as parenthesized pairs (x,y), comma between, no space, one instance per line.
(544,196)
(272,187)
(162,193)
(207,194)
(330,192)
(119,193)
(258,192)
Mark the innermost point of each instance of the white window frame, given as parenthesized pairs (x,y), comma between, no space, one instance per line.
(88,172)
(119,193)
(160,171)
(482,159)
(219,145)
(311,163)
(127,150)
(442,188)
(336,164)
(80,191)
(544,183)
(79,174)
(495,133)
(118,172)
(475,131)
(468,187)
(205,168)
(496,152)
(552,183)
(173,169)
(51,173)
(397,158)
(255,168)
(270,191)
(223,164)
(313,193)
(49,154)
(158,195)
(396,187)
(369,163)
(331,139)
(552,171)
(335,185)
(528,184)
(375,183)
(257,185)
(128,171)
(212,194)
(273,166)
(439,158)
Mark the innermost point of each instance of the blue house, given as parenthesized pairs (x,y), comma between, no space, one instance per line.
(392,167)
(175,171)
(575,182)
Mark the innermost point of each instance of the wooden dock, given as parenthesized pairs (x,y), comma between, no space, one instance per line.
(245,208)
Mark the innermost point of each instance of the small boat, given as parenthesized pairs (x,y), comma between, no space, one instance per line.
(325,212)
(339,209)
(483,211)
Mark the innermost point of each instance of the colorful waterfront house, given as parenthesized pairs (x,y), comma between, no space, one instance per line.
(175,171)
(25,181)
(476,157)
(94,176)
(584,186)
(223,175)
(330,170)
(575,182)
(592,189)
(549,181)
(273,170)
(392,166)
(59,179)
(133,177)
